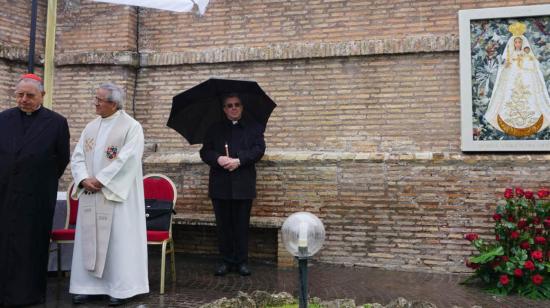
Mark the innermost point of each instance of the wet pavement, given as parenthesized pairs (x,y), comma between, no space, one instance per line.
(196,285)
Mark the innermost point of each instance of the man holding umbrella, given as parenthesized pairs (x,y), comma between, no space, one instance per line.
(231,148)
(231,129)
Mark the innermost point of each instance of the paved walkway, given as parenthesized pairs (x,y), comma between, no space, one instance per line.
(196,286)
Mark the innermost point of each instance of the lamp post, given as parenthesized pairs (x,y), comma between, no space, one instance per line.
(303,236)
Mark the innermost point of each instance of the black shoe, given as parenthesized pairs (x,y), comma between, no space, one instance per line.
(116,301)
(244,270)
(80,299)
(221,270)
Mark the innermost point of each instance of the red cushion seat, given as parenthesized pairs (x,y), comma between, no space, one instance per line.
(63,234)
(157,236)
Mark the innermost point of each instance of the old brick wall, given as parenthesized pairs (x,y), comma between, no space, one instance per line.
(202,240)
(15,23)
(399,211)
(365,104)
(85,26)
(263,22)
(10,72)
(366,134)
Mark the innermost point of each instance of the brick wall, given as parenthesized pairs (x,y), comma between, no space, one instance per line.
(385,210)
(10,73)
(366,134)
(263,22)
(85,26)
(15,23)
(202,240)
(365,104)
(75,92)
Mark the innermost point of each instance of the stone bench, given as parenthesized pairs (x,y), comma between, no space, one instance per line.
(284,258)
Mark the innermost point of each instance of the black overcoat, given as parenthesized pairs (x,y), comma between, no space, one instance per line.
(245,141)
(30,167)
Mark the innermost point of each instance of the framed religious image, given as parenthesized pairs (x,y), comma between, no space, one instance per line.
(505,78)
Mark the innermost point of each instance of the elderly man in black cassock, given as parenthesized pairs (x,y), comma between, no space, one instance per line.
(34,151)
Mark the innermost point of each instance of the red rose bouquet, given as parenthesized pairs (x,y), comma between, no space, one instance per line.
(519,260)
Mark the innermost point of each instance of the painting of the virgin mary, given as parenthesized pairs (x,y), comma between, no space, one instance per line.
(519,104)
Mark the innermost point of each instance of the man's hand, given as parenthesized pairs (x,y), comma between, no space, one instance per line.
(91,184)
(233,164)
(229,163)
(224,160)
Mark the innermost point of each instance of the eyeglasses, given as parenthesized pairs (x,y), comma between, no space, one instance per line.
(98,100)
(23,94)
(236,105)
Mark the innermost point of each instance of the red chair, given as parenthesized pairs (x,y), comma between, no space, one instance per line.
(66,235)
(160,187)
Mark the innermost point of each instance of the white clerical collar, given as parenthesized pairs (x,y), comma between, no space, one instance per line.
(235,122)
(112,116)
(30,113)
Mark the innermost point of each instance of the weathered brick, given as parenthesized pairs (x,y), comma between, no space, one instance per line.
(366,134)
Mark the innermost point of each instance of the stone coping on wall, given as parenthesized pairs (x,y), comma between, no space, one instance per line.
(314,156)
(120,58)
(17,54)
(210,220)
(292,50)
(281,51)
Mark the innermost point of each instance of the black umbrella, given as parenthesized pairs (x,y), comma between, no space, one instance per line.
(194,110)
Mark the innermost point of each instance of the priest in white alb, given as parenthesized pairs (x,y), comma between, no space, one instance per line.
(110,251)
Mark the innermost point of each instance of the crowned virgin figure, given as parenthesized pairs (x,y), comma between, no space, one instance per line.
(519,105)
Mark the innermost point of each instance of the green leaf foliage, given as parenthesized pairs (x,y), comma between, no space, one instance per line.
(518,260)
(488,256)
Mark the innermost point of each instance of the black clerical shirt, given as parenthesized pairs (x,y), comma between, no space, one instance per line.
(27,118)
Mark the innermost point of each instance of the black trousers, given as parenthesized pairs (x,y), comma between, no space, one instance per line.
(232,221)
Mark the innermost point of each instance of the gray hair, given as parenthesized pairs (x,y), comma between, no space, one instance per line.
(116,95)
(37,84)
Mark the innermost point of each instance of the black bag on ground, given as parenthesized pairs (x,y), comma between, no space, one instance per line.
(158,214)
